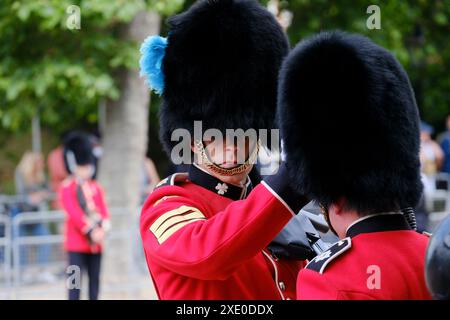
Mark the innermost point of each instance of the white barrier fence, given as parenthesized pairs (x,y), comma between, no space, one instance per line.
(33,262)
(5,253)
(438,203)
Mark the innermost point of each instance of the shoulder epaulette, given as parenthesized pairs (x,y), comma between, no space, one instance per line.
(172,180)
(320,262)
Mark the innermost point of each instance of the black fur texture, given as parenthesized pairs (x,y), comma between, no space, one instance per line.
(81,146)
(350,124)
(221,67)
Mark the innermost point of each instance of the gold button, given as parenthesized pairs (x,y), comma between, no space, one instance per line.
(288,298)
(282,285)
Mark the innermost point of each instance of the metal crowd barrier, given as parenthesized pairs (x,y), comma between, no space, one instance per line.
(5,253)
(30,259)
(32,254)
(33,262)
(440,200)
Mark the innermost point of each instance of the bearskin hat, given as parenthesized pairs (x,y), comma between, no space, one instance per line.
(349,124)
(221,67)
(78,147)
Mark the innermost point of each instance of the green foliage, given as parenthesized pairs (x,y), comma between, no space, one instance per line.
(64,73)
(417,32)
(166,7)
(426,58)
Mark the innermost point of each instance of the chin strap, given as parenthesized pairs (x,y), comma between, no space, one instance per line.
(223,171)
(326,215)
(410,216)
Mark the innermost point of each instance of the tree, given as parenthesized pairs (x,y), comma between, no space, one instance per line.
(63,74)
(125,136)
(415,31)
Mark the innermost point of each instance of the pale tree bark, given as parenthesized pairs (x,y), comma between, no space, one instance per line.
(125,136)
(124,143)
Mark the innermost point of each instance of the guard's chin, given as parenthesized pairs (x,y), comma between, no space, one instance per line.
(229,165)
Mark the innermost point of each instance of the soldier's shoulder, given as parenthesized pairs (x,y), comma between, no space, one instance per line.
(427,234)
(67,182)
(173,180)
(168,188)
(322,261)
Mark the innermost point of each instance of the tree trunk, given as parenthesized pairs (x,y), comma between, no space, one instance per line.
(124,143)
(125,136)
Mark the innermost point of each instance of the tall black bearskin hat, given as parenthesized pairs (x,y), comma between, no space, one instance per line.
(219,64)
(437,262)
(350,124)
(78,150)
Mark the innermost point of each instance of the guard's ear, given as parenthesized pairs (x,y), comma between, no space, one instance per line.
(152,51)
(340,206)
(193,147)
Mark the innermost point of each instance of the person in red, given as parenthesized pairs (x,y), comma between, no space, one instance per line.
(206,232)
(87,219)
(350,127)
(57,172)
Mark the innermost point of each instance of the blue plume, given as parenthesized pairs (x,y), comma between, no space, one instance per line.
(153,50)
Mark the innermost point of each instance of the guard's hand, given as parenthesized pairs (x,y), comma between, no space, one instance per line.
(98,235)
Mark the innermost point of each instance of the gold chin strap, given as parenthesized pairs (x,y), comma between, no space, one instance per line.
(326,215)
(223,171)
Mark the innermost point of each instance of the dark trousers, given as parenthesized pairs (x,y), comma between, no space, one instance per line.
(90,263)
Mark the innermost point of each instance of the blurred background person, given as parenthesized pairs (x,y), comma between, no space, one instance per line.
(30,181)
(149,178)
(57,171)
(431,159)
(92,139)
(57,167)
(444,142)
(31,188)
(87,214)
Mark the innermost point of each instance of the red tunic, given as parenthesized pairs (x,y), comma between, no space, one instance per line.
(203,245)
(57,172)
(77,224)
(381,259)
